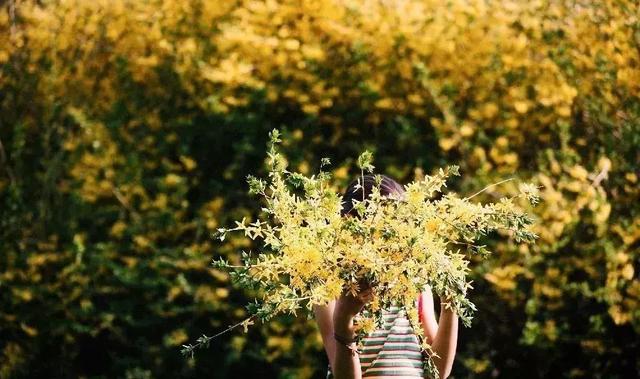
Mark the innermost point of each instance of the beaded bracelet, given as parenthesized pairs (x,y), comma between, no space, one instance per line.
(348,344)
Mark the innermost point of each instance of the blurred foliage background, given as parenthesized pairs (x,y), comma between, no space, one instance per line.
(127,128)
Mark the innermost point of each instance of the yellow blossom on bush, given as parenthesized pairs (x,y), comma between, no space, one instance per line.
(397,244)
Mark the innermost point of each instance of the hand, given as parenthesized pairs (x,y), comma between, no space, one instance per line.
(446,304)
(347,306)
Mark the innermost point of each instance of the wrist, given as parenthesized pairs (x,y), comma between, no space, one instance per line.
(348,343)
(446,302)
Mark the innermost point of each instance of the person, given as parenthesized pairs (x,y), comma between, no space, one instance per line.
(392,351)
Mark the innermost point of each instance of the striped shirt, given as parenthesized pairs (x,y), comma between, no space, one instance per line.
(392,351)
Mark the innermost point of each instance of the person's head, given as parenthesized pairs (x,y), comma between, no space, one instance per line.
(388,187)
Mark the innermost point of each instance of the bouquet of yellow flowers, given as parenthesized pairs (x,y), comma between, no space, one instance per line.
(397,245)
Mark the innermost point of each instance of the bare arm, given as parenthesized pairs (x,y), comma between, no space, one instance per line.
(347,362)
(337,317)
(428,316)
(324,318)
(445,339)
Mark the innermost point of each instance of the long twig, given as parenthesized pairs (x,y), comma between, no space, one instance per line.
(231,327)
(487,187)
(12,16)
(188,349)
(122,200)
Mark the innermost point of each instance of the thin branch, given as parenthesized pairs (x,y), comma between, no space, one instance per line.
(464,243)
(459,229)
(487,187)
(204,340)
(231,328)
(12,16)
(122,200)
(600,177)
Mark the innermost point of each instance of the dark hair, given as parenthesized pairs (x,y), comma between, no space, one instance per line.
(388,187)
